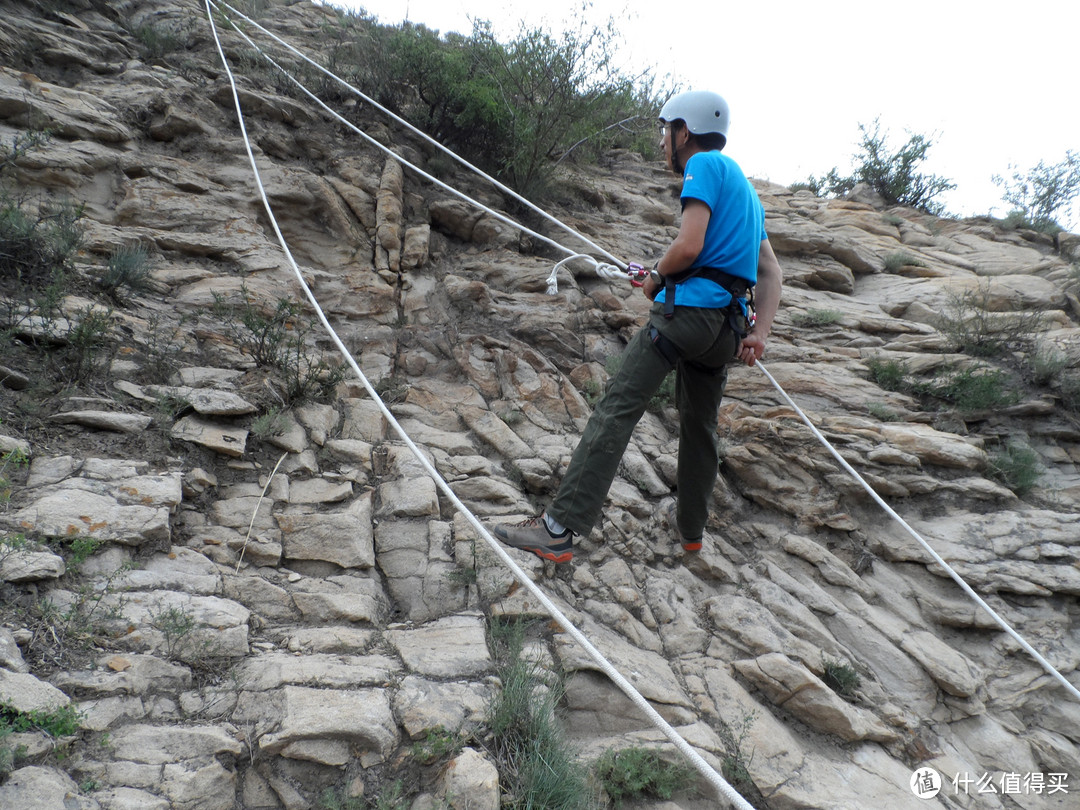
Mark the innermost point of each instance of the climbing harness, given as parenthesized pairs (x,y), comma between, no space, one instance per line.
(635,274)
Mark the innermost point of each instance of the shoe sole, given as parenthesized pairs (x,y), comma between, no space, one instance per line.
(555,557)
(543,553)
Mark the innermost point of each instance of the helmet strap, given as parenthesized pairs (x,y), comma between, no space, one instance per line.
(676,164)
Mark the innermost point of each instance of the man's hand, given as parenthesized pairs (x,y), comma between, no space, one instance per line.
(650,288)
(751,349)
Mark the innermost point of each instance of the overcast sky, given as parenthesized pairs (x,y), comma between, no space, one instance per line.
(991,85)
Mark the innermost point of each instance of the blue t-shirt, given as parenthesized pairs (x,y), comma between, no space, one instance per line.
(735,231)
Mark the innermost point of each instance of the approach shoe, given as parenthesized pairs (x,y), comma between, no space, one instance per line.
(671,515)
(533,535)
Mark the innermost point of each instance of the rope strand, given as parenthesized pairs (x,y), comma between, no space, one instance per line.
(936,557)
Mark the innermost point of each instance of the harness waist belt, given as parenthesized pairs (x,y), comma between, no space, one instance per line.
(735,285)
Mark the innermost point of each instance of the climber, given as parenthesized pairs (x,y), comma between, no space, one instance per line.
(697,325)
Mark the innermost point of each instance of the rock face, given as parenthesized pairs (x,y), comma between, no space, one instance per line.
(263,603)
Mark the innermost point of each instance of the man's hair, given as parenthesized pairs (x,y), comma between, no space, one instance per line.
(706,140)
(711,140)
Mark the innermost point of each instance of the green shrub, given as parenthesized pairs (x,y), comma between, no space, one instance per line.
(177,626)
(161,39)
(735,764)
(1042,193)
(515,108)
(840,677)
(279,341)
(128,267)
(539,768)
(16,460)
(1016,466)
(337,800)
(76,549)
(972,390)
(978,331)
(894,261)
(882,412)
(892,375)
(437,744)
(84,353)
(61,722)
(271,423)
(39,244)
(638,773)
(818,317)
(1046,364)
(893,175)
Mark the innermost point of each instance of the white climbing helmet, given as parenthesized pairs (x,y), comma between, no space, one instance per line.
(701,110)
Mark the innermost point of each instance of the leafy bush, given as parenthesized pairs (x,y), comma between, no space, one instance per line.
(893,175)
(61,722)
(38,244)
(278,340)
(892,375)
(978,331)
(1045,364)
(514,108)
(128,266)
(1016,466)
(818,317)
(637,773)
(1043,193)
(840,677)
(972,390)
(157,40)
(64,721)
(894,261)
(735,764)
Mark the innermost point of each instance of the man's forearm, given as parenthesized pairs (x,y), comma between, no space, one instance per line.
(767,291)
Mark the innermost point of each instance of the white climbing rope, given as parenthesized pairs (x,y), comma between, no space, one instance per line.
(936,557)
(628,689)
(610,271)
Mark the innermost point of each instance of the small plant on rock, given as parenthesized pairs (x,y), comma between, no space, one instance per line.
(540,768)
(894,261)
(1016,466)
(818,317)
(978,330)
(840,677)
(437,744)
(971,390)
(128,268)
(736,763)
(892,375)
(278,341)
(176,626)
(894,175)
(639,773)
(13,459)
(60,722)
(1041,194)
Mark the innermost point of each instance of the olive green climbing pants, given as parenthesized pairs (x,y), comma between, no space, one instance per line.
(706,346)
